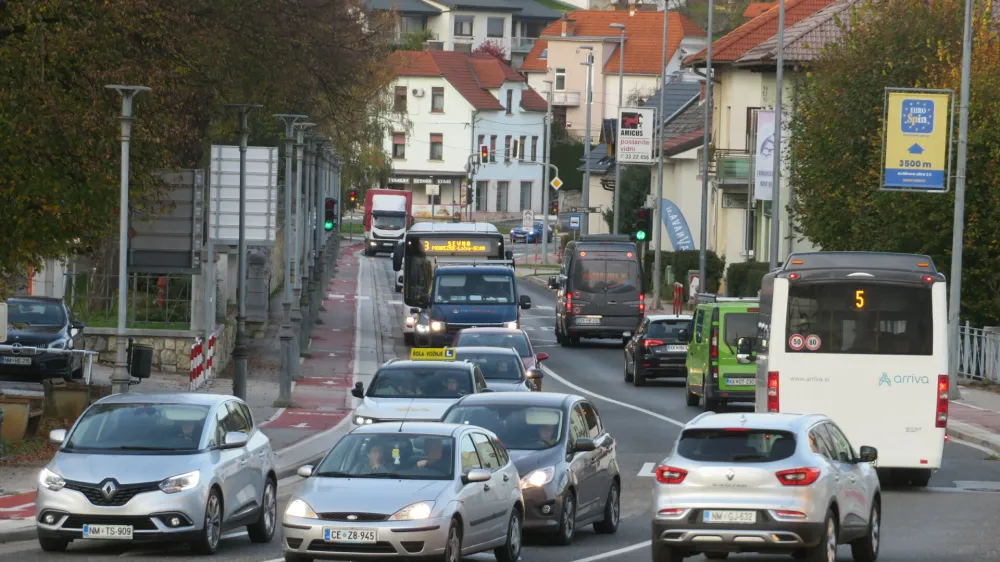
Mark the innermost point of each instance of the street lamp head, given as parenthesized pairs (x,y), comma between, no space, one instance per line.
(585,48)
(293,117)
(618,26)
(122,89)
(244,105)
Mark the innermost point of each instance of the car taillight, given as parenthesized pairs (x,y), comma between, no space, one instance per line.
(772,392)
(569,303)
(642,304)
(652,343)
(798,476)
(670,475)
(714,349)
(941,419)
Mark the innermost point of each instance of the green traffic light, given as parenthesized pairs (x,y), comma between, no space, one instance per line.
(640,235)
(329,225)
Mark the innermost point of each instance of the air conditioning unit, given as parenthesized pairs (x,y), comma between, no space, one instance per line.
(418,92)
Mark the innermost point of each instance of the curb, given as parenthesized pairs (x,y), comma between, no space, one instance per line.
(975,435)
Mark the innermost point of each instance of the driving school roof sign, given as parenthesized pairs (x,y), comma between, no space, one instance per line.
(916,145)
(432,354)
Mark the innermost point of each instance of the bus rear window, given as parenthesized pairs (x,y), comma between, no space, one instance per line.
(859,318)
(736,445)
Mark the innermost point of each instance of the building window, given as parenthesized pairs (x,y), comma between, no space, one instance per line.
(506,148)
(437,146)
(493,148)
(481,143)
(494,27)
(400,103)
(502,196)
(463,48)
(437,100)
(545,54)
(410,24)
(399,145)
(481,188)
(534,149)
(463,26)
(510,102)
(522,146)
(560,79)
(525,195)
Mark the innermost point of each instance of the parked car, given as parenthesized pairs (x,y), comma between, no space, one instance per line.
(529,235)
(657,349)
(46,323)
(774,483)
(158,467)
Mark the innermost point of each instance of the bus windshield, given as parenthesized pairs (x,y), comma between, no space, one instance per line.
(605,276)
(860,318)
(454,288)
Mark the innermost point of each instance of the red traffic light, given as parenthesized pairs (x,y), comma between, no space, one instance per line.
(643,214)
(330,203)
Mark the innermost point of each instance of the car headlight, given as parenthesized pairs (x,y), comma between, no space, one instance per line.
(511,325)
(51,480)
(299,508)
(423,328)
(363,420)
(437,325)
(180,482)
(538,478)
(58,344)
(410,321)
(413,512)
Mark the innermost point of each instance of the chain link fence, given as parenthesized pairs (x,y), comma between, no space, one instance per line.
(154,301)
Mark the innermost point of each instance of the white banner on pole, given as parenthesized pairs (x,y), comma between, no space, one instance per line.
(764,148)
(635,135)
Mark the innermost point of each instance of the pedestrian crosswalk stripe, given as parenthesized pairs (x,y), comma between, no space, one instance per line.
(648,469)
(545,307)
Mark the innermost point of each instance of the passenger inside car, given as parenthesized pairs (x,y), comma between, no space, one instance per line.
(547,435)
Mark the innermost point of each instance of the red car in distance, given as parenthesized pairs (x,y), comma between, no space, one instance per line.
(502,337)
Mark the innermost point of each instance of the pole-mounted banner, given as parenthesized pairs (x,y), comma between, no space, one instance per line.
(916,141)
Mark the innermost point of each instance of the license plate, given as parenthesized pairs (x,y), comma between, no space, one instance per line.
(108,532)
(15,360)
(677,348)
(580,320)
(741,517)
(358,536)
(741,382)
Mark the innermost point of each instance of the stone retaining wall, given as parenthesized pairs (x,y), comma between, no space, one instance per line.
(171,348)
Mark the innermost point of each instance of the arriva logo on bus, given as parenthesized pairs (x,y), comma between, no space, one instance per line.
(886,380)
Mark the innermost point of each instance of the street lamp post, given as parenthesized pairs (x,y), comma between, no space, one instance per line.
(545,175)
(657,203)
(589,63)
(775,242)
(306,303)
(120,376)
(240,353)
(621,85)
(298,265)
(703,242)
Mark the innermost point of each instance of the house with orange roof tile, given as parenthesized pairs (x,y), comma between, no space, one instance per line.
(448,104)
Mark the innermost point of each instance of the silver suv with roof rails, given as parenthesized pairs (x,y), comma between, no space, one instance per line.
(766,483)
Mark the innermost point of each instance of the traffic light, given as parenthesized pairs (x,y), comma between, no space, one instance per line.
(642,224)
(352,198)
(484,154)
(331,213)
(555,208)
(468,194)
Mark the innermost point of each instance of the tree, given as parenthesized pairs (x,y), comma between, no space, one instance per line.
(835,147)
(412,40)
(493,49)
(632,196)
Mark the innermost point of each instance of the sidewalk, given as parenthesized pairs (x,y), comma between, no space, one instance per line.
(976,417)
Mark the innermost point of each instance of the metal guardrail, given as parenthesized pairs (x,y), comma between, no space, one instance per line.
(979,358)
(29,351)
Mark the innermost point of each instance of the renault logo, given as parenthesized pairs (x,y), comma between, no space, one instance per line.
(109,489)
(352,517)
(730,475)
(17,348)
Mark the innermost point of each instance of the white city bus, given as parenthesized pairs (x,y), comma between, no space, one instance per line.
(862,338)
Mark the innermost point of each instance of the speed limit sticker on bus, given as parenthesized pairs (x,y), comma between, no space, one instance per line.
(796,342)
(813,342)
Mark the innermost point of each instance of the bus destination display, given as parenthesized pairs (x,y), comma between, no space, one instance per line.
(458,247)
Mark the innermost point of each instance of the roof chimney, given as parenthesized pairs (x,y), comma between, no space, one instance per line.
(568,27)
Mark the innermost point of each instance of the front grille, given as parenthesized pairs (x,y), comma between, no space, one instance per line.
(358,517)
(380,547)
(138,522)
(122,496)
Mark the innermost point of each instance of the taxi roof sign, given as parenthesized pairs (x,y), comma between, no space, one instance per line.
(432,354)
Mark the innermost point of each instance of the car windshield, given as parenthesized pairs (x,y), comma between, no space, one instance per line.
(666,329)
(495,366)
(407,382)
(140,427)
(388,222)
(518,341)
(473,289)
(405,456)
(735,445)
(35,313)
(519,427)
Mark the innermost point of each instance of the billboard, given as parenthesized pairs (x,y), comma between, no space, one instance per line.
(916,141)
(170,240)
(763,140)
(635,135)
(261,195)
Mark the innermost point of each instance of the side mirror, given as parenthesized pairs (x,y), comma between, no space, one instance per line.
(509,254)
(414,311)
(57,436)
(305,471)
(553,283)
(397,261)
(525,302)
(682,335)
(358,391)
(235,440)
(744,350)
(535,374)
(541,357)
(584,445)
(476,475)
(868,454)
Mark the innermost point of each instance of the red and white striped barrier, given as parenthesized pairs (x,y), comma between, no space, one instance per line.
(201,362)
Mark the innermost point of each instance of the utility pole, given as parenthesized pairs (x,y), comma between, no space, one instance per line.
(778,122)
(586,141)
(656,218)
(545,175)
(240,353)
(300,232)
(120,376)
(621,86)
(958,230)
(703,253)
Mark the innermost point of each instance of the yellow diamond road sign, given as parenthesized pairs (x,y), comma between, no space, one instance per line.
(432,354)
(556,183)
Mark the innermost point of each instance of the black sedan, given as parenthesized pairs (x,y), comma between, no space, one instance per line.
(657,349)
(46,324)
(565,456)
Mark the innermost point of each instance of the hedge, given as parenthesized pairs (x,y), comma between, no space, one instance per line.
(681,263)
(743,279)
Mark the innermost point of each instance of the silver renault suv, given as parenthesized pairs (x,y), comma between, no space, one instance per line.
(768,483)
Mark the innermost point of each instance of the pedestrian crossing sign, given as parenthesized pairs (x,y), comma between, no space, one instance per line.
(432,354)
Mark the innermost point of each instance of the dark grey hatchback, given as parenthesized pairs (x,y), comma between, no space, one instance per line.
(37,324)
(564,455)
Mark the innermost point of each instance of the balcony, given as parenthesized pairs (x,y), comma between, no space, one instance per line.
(566,98)
(732,167)
(522,44)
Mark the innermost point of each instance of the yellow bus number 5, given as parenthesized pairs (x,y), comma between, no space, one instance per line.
(859,298)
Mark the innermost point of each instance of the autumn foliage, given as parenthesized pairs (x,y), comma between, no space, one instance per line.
(491,48)
(836,143)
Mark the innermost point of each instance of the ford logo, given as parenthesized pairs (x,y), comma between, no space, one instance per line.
(352,517)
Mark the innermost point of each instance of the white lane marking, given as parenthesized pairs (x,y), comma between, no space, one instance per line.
(969,405)
(975,446)
(582,390)
(648,469)
(544,307)
(233,535)
(333,296)
(275,416)
(604,555)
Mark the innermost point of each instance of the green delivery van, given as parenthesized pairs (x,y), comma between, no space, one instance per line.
(712,370)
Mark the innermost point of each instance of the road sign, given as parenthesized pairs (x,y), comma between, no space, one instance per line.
(917,146)
(527,219)
(432,354)
(635,135)
(3,321)
(556,183)
(585,209)
(574,222)
(433,189)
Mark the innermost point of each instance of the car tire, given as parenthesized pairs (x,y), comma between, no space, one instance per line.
(511,550)
(664,553)
(826,550)
(567,521)
(921,478)
(211,530)
(262,530)
(453,547)
(574,341)
(692,399)
(408,339)
(612,512)
(53,545)
(628,375)
(78,373)
(866,549)
(297,558)
(715,555)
